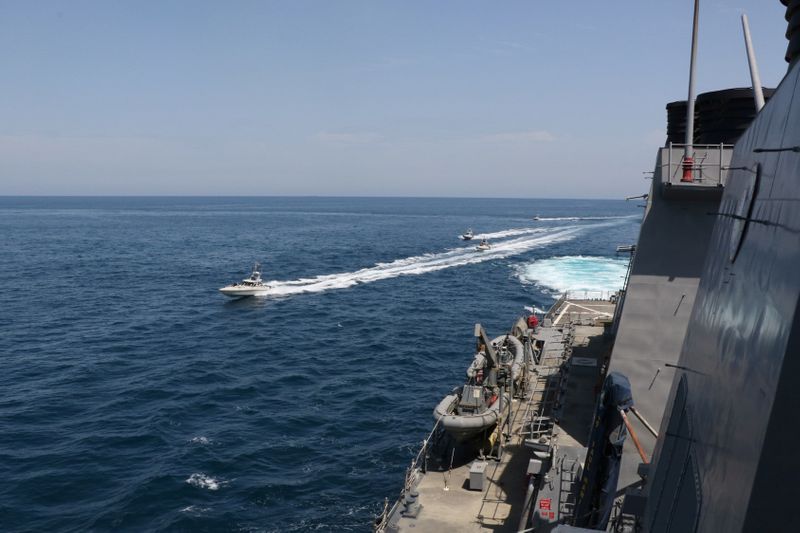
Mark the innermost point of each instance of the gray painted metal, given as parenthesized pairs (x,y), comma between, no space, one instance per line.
(730,450)
(711,162)
(720,353)
(664,276)
(758,93)
(518,351)
(463,427)
(555,501)
(483,339)
(477,475)
(690,99)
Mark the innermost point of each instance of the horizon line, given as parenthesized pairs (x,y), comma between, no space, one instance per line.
(431,197)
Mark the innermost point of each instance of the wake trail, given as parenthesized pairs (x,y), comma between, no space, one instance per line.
(575,273)
(508,233)
(573,219)
(514,232)
(423,264)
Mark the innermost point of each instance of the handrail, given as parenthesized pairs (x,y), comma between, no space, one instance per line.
(382,519)
(422,450)
(709,164)
(552,311)
(589,295)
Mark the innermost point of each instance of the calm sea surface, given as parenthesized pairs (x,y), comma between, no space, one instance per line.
(136,397)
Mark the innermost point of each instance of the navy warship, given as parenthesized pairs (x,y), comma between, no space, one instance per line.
(666,406)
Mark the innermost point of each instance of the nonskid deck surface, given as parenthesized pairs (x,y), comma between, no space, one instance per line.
(582,311)
(555,501)
(559,389)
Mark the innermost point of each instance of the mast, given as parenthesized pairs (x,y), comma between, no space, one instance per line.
(758,94)
(688,162)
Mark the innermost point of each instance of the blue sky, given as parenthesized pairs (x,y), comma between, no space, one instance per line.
(447,98)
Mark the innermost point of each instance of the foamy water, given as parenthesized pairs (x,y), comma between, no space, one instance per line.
(423,264)
(567,219)
(201,391)
(575,273)
(203,481)
(515,232)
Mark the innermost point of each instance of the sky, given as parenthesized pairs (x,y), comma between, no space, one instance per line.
(459,98)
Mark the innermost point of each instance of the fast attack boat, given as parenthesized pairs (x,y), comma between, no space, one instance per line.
(252,286)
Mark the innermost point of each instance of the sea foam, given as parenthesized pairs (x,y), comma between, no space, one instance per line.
(423,264)
(203,481)
(575,273)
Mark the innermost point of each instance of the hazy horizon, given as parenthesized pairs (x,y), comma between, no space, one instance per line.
(408,196)
(356,99)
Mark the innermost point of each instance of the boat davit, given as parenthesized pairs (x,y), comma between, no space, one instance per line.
(252,286)
(476,407)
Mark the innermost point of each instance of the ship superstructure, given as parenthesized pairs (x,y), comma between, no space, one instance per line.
(666,406)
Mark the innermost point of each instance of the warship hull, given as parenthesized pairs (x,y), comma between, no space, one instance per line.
(675,415)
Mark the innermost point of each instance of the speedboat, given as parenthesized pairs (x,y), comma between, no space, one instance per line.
(252,286)
(468,235)
(483,246)
(537,217)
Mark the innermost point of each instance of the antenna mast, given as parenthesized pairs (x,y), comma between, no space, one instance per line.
(758,94)
(688,162)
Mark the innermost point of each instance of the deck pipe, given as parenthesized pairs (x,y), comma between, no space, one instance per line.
(634,437)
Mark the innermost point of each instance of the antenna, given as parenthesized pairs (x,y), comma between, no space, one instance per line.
(688,162)
(758,94)
(639,197)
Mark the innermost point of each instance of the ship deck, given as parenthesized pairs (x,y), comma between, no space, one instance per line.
(565,381)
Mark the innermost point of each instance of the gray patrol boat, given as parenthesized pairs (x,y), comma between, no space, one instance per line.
(665,407)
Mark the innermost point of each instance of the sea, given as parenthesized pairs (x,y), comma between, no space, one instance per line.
(136,397)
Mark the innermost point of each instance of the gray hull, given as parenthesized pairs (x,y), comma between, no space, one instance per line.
(464,427)
(516,348)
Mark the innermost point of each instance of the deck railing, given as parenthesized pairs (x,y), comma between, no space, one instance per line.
(551,313)
(589,295)
(418,464)
(709,164)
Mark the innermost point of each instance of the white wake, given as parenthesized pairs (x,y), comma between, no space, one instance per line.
(422,264)
(509,233)
(572,219)
(575,273)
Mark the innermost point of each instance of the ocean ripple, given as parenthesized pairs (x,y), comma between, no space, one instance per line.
(136,397)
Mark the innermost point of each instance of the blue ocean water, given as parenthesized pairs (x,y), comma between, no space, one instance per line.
(136,397)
